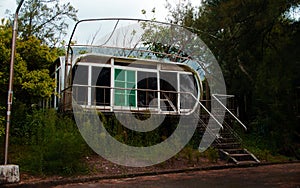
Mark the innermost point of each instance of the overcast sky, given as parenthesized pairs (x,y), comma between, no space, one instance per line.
(109,8)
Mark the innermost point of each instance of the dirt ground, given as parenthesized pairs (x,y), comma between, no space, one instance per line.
(279,175)
(99,167)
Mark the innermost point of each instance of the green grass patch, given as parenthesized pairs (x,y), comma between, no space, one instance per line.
(48,144)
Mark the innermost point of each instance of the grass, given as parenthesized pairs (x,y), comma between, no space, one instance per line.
(48,143)
(264,149)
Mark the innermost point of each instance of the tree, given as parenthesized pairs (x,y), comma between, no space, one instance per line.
(245,36)
(32,81)
(256,45)
(46,20)
(42,24)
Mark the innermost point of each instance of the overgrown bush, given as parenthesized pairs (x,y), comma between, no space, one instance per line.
(138,139)
(263,148)
(49,143)
(2,121)
(211,154)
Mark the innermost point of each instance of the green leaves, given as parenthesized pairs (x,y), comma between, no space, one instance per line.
(36,54)
(39,84)
(49,144)
(257,46)
(32,81)
(2,121)
(46,20)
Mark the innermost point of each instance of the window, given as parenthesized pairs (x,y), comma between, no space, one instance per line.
(146,81)
(100,86)
(187,84)
(168,87)
(125,80)
(80,75)
(80,83)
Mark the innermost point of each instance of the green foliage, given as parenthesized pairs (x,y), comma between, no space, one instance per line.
(36,54)
(45,141)
(46,20)
(211,154)
(257,47)
(193,155)
(5,40)
(190,154)
(39,84)
(32,81)
(182,14)
(2,121)
(51,144)
(138,139)
(264,149)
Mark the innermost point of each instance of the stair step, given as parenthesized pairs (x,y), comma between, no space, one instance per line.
(242,157)
(247,162)
(229,145)
(236,151)
(226,132)
(239,155)
(227,140)
(227,135)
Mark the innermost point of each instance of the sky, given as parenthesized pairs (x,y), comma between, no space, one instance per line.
(109,8)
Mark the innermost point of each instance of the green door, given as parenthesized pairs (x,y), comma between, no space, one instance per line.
(125,79)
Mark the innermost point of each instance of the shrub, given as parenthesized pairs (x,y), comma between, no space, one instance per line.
(211,154)
(54,145)
(2,121)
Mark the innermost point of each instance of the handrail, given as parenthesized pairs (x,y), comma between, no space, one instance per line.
(214,96)
(206,110)
(210,132)
(175,92)
(169,101)
(211,114)
(231,130)
(135,89)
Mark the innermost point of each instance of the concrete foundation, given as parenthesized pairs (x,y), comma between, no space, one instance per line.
(9,174)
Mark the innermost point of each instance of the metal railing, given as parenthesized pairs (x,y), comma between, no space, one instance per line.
(237,119)
(161,94)
(176,110)
(128,52)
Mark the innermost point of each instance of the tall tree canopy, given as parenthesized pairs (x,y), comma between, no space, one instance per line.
(46,20)
(42,26)
(32,81)
(257,46)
